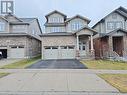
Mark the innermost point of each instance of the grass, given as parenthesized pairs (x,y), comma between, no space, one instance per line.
(3,74)
(119,81)
(22,64)
(105,64)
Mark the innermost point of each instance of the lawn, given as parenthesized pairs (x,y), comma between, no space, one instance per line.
(3,74)
(119,81)
(22,64)
(105,64)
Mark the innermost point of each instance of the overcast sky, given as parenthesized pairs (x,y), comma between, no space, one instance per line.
(92,9)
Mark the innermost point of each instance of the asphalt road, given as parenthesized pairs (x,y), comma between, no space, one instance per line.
(58,64)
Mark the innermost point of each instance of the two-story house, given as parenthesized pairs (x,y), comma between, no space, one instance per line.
(111,40)
(67,38)
(19,37)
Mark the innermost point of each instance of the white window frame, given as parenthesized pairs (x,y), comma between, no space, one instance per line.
(76,25)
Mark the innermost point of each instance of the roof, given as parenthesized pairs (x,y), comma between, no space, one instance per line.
(57,34)
(78,16)
(121,10)
(86,27)
(17,35)
(55,11)
(27,19)
(110,33)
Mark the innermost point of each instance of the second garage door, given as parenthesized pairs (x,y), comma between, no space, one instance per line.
(62,52)
(17,52)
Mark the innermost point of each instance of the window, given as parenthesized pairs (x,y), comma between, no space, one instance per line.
(54,47)
(2,26)
(114,25)
(13,46)
(76,26)
(56,29)
(110,25)
(63,47)
(19,27)
(82,46)
(21,46)
(70,47)
(47,47)
(56,20)
(119,25)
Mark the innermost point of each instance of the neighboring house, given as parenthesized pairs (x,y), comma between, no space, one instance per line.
(67,38)
(19,37)
(111,40)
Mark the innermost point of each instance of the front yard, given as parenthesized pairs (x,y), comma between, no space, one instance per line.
(21,64)
(119,81)
(3,74)
(105,64)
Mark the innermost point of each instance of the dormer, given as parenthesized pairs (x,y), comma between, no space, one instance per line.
(55,17)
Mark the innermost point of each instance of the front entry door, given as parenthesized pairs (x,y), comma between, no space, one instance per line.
(82,49)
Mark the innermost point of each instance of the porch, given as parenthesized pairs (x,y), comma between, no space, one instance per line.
(84,44)
(112,46)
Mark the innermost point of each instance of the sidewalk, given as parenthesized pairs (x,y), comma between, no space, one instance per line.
(54,82)
(85,71)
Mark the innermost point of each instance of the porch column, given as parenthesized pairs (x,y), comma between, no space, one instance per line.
(77,46)
(110,42)
(91,42)
(124,45)
(77,37)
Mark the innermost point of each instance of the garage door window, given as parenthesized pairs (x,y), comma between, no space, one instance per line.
(21,46)
(70,47)
(55,47)
(13,46)
(47,47)
(63,47)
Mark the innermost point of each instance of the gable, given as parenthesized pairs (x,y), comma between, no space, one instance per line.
(79,17)
(114,17)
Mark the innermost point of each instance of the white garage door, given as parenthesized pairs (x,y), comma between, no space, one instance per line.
(67,52)
(62,52)
(51,52)
(17,52)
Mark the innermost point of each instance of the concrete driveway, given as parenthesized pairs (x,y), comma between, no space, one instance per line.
(58,64)
(8,61)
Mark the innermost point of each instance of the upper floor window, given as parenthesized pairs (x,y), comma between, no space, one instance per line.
(19,27)
(56,20)
(110,25)
(56,29)
(114,25)
(2,26)
(76,26)
(119,25)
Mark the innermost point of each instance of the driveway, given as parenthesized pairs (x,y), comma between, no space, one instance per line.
(8,61)
(58,64)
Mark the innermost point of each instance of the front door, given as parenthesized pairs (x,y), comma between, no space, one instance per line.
(82,49)
(118,45)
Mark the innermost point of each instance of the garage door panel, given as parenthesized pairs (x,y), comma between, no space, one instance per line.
(51,54)
(17,53)
(68,54)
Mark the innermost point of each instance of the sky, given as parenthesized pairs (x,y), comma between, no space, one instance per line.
(92,9)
